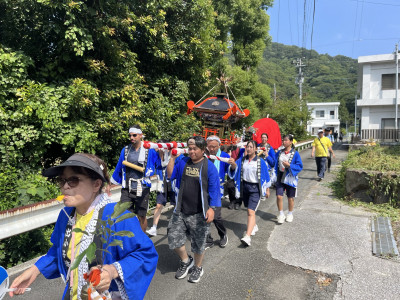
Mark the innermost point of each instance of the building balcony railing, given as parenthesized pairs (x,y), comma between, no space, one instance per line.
(380,134)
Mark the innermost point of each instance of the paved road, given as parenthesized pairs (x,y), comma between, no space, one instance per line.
(234,272)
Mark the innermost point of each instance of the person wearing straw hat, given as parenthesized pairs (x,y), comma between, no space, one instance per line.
(122,272)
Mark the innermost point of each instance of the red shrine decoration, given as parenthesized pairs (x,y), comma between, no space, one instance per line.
(218,113)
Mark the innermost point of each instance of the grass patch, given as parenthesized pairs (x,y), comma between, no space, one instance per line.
(384,159)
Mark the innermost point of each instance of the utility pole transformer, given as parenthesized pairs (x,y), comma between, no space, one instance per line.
(300,76)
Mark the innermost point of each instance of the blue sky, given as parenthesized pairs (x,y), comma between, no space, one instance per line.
(347,27)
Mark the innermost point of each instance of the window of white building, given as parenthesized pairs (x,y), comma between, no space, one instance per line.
(320,114)
(389,81)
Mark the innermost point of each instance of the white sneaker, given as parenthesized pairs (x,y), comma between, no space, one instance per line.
(281,219)
(152,231)
(255,229)
(263,198)
(289,218)
(246,240)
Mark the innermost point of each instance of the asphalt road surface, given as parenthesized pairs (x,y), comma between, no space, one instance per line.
(234,272)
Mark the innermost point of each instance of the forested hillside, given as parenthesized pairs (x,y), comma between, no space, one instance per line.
(326,78)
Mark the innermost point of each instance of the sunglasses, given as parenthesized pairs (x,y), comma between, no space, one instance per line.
(72,181)
(134,135)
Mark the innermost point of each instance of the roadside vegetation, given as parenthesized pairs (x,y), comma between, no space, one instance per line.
(377,158)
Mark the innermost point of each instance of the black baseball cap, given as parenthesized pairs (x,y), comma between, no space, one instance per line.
(76,160)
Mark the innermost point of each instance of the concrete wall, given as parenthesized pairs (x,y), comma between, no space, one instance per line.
(371,117)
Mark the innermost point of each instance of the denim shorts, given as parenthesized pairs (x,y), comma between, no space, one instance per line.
(251,195)
(193,227)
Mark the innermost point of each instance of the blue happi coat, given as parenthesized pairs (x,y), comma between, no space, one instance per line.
(222,168)
(264,181)
(211,197)
(119,175)
(271,163)
(296,165)
(136,262)
(271,157)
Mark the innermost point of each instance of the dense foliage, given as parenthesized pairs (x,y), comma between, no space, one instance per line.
(75,74)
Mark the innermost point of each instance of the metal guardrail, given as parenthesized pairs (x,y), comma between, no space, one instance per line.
(26,218)
(23,219)
(303,145)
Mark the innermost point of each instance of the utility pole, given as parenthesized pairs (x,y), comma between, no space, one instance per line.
(397,87)
(299,80)
(300,76)
(355,115)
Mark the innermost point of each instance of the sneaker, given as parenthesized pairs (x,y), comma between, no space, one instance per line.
(184,268)
(246,240)
(224,241)
(255,229)
(152,231)
(195,274)
(289,218)
(329,170)
(237,206)
(263,198)
(208,245)
(231,205)
(319,178)
(281,219)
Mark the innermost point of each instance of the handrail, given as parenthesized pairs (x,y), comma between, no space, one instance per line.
(26,218)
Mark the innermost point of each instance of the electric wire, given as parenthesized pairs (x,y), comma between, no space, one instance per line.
(312,28)
(298,25)
(355,29)
(277,30)
(290,23)
(361,19)
(378,3)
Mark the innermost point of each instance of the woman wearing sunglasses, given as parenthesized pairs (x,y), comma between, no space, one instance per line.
(126,272)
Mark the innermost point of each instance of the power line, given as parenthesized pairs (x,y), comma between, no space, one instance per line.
(312,28)
(304,27)
(354,32)
(277,30)
(298,25)
(378,3)
(361,19)
(290,23)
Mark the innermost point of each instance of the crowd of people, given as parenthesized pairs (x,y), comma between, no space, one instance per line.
(194,184)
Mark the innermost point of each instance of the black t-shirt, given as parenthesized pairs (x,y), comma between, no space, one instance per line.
(191,194)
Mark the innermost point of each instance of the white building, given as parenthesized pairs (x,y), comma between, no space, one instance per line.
(377,90)
(324,115)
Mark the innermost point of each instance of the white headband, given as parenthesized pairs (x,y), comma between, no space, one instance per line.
(135,130)
(214,138)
